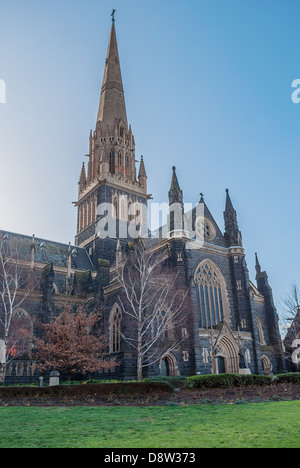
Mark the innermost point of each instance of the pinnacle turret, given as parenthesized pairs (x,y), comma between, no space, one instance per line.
(142,174)
(176,204)
(232,233)
(257,266)
(83,179)
(175,193)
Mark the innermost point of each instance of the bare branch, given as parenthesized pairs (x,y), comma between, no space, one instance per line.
(15,287)
(153,303)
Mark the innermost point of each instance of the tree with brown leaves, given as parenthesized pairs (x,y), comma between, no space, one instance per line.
(72,345)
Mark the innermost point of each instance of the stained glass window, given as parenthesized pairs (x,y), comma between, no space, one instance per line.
(209,295)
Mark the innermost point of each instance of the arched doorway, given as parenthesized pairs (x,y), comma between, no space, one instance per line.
(221,365)
(226,356)
(164,370)
(168,366)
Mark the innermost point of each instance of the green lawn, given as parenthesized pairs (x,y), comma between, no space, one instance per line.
(252,425)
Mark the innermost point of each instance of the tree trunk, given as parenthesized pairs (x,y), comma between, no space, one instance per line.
(139,368)
(139,357)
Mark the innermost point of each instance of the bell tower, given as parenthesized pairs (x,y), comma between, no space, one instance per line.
(110,176)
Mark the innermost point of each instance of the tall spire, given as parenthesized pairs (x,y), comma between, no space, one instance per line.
(112,101)
(111,158)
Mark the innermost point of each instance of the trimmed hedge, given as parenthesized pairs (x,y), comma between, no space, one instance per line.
(93,390)
(288,378)
(239,380)
(228,381)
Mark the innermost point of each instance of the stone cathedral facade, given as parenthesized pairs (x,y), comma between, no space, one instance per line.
(227,316)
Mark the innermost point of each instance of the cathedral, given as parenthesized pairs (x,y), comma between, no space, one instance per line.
(232,323)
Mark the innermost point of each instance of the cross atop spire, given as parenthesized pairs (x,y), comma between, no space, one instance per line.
(113,16)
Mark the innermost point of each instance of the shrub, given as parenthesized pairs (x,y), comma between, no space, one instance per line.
(95,390)
(288,378)
(165,378)
(227,381)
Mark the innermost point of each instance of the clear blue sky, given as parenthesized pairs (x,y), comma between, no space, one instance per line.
(208,89)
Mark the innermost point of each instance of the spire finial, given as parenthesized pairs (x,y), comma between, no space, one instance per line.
(113,16)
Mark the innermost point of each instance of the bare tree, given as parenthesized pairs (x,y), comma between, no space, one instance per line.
(153,303)
(290,320)
(16,283)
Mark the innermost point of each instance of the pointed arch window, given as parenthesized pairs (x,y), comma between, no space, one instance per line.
(120,163)
(161,326)
(262,340)
(115,330)
(123,209)
(267,366)
(112,164)
(211,295)
(127,171)
(116,207)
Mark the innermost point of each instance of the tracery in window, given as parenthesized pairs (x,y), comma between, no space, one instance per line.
(211,295)
(161,325)
(205,230)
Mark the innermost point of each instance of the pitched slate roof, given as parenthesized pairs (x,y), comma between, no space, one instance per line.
(48,251)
